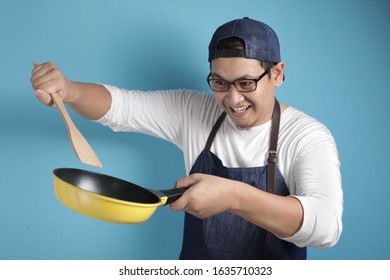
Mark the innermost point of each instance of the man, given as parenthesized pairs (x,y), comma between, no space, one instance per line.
(265,178)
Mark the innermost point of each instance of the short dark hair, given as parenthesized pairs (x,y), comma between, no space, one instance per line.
(237,44)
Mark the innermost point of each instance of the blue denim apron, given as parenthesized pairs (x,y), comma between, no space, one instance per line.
(226,235)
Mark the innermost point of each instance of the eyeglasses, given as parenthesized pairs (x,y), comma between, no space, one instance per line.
(242,85)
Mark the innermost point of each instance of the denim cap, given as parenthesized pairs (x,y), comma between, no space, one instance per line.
(260,40)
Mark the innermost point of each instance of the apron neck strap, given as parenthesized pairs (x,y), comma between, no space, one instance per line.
(273,148)
(214,131)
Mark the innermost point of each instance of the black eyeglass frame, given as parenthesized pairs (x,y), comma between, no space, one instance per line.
(209,79)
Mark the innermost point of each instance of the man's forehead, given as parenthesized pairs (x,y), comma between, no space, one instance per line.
(235,67)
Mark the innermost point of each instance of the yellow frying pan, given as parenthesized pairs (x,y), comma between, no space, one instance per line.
(108,198)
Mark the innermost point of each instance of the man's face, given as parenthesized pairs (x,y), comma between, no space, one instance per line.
(246,109)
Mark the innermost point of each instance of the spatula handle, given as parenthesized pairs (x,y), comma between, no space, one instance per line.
(61,108)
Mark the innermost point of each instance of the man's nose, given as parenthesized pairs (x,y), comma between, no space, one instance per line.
(233,95)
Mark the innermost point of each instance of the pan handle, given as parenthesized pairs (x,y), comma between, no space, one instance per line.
(172,194)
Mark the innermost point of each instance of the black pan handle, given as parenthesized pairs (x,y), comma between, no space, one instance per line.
(172,194)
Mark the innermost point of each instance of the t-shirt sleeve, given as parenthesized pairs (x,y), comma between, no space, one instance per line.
(318,187)
(166,114)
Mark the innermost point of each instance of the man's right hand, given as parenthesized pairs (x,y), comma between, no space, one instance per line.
(46,78)
(91,101)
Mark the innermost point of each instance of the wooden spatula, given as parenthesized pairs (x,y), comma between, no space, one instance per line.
(80,145)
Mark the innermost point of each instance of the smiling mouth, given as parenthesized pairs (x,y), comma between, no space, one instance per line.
(240,109)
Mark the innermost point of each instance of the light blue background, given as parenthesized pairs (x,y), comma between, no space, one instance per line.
(337,70)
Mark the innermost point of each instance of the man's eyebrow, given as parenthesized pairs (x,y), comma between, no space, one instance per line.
(216,76)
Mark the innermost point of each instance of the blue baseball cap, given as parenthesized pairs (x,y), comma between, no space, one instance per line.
(260,40)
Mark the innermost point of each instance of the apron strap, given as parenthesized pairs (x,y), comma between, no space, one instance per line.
(272,156)
(214,131)
(273,148)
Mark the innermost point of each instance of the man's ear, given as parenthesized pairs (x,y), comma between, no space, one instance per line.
(277,74)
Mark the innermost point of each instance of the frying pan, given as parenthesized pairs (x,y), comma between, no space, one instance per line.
(108,198)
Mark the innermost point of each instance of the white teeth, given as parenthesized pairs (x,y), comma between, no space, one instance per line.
(240,109)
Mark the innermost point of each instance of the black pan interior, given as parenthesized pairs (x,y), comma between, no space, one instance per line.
(106,185)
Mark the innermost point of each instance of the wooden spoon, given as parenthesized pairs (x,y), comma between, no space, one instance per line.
(80,145)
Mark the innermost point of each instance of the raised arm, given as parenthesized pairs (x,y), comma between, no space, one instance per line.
(91,101)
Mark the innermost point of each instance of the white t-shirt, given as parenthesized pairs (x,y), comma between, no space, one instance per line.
(307,153)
